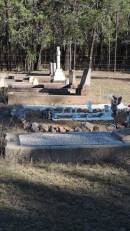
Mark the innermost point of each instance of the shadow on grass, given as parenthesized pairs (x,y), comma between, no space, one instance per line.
(49,208)
(106,181)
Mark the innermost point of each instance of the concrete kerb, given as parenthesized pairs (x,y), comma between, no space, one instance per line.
(68,153)
(62,154)
(35,98)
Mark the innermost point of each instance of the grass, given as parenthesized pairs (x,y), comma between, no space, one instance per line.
(64,197)
(103,88)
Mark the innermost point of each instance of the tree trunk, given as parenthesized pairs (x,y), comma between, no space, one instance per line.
(126,56)
(37,64)
(67,61)
(86,78)
(101,51)
(116,38)
(7,40)
(109,54)
(92,48)
(75,55)
(70,56)
(109,48)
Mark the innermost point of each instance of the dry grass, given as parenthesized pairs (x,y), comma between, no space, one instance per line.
(64,197)
(103,88)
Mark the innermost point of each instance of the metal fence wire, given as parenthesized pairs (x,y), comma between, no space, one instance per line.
(18,62)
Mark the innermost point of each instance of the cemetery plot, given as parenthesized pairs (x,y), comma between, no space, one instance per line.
(77,139)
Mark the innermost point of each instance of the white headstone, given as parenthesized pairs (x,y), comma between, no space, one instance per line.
(59,74)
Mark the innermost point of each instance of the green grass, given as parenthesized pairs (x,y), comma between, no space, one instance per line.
(64,197)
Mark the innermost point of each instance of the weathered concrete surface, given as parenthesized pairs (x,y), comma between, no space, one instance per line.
(68,150)
(69,139)
(36,80)
(54,85)
(23,84)
(16,98)
(123,135)
(19,76)
(26,90)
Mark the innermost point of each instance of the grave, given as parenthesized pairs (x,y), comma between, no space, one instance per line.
(36,98)
(23,84)
(83,116)
(49,84)
(24,89)
(72,139)
(72,147)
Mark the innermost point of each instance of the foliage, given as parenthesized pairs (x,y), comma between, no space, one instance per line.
(30,25)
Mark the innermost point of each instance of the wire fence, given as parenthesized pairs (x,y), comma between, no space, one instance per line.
(80,62)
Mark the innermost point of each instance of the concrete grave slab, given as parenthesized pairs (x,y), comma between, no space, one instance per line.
(72,139)
(36,80)
(78,147)
(24,90)
(20,84)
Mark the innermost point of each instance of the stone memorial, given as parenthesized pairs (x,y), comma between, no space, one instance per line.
(72,79)
(59,74)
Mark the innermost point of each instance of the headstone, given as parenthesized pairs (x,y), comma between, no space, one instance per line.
(72,80)
(115,101)
(59,74)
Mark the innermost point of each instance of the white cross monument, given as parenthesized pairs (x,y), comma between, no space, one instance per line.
(59,74)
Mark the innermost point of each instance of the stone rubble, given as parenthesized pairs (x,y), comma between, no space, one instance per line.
(35,127)
(53,128)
